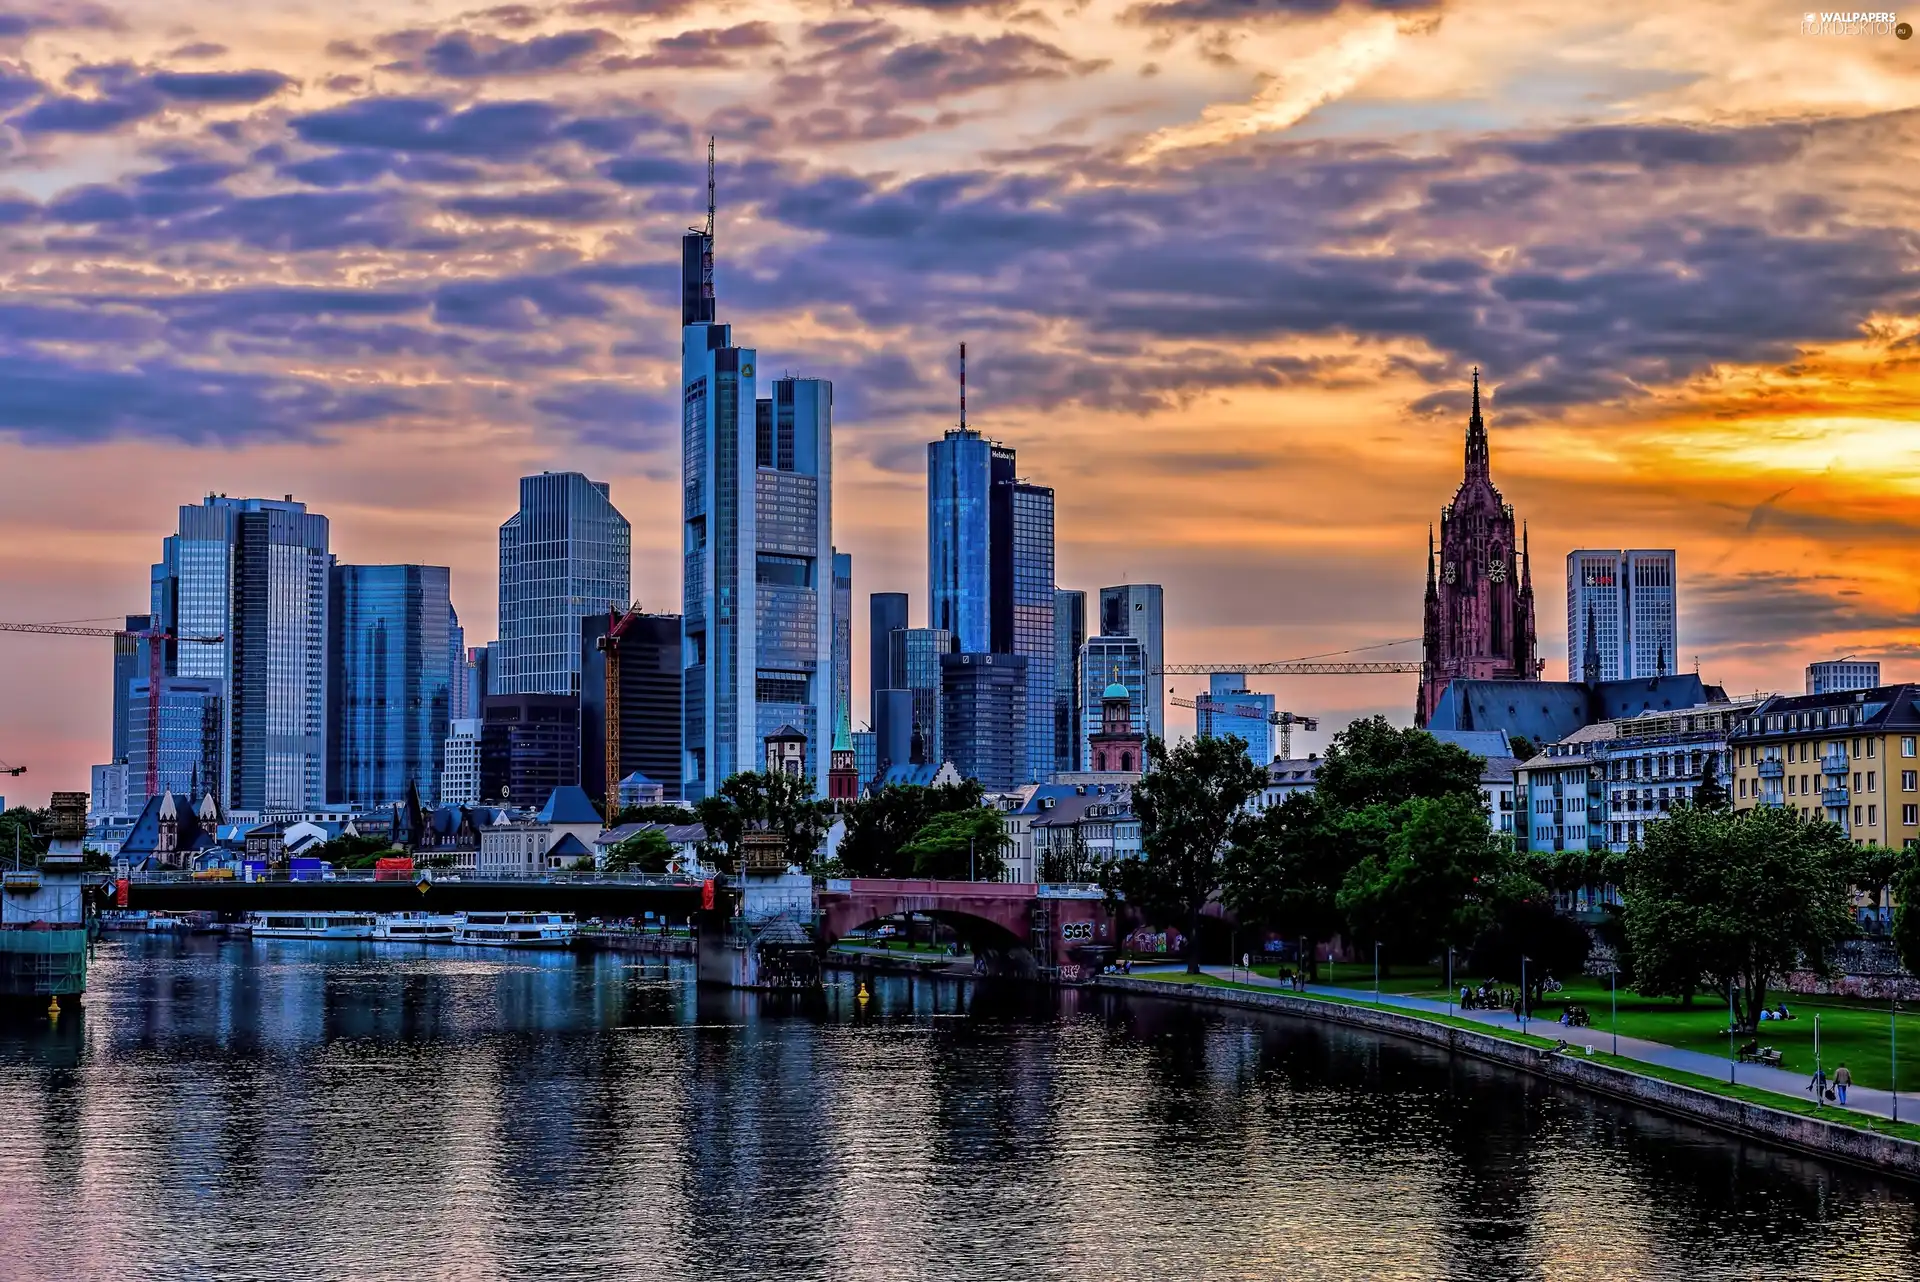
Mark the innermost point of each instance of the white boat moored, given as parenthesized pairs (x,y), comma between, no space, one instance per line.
(312,925)
(517,930)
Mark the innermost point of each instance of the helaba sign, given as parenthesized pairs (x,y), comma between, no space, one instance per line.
(1836,22)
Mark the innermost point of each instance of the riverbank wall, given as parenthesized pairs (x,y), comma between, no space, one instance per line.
(1830,1140)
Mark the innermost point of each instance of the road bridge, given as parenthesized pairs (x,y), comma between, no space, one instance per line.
(1064,930)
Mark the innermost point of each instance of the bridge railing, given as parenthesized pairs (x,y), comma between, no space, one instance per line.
(368,876)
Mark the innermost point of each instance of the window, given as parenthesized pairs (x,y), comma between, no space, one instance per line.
(1743,792)
(1909,781)
(1871,745)
(1793,783)
(1871,781)
(1910,815)
(1907,746)
(1856,748)
(1873,815)
(1856,814)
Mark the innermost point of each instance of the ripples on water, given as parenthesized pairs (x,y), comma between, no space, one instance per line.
(309,1110)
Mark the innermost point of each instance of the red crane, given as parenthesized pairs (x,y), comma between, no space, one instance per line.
(154,637)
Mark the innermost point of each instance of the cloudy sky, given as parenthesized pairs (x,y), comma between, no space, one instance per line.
(1223,267)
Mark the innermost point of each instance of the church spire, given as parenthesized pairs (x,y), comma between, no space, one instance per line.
(1477,462)
(1590,656)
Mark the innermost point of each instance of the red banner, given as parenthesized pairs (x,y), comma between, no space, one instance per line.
(706,894)
(120,892)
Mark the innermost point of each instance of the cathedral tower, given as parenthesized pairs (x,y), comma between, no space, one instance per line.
(1479,608)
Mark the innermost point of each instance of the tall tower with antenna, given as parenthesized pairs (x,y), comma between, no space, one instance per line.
(696,262)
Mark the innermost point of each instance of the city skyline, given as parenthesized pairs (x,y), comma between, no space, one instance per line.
(1762,452)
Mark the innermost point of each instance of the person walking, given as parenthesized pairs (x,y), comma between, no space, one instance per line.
(1818,1086)
(1841,1080)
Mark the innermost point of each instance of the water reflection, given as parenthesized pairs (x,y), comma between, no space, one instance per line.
(311,1109)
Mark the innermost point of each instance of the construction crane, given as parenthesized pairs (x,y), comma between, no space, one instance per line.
(609,645)
(154,637)
(15,771)
(1207,708)
(1293,668)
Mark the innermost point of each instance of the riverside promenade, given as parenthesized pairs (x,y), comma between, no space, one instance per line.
(1793,1085)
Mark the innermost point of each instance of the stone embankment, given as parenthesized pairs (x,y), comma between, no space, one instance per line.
(1805,1134)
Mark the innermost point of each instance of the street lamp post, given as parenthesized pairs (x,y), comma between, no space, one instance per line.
(1732,1061)
(1893,1049)
(1449,982)
(1613,992)
(1523,992)
(1376,972)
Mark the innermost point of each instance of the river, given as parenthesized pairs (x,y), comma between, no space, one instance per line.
(289,1110)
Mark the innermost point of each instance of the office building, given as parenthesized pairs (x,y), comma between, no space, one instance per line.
(192,726)
(757,485)
(1478,614)
(470,683)
(894,731)
(1069,634)
(392,683)
(842,649)
(1138,610)
(109,795)
(254,573)
(564,555)
(917,654)
(529,745)
(1105,660)
(1232,710)
(984,715)
(649,703)
(1829,676)
(460,763)
(460,702)
(1622,604)
(886,614)
(960,469)
(1032,618)
(130,662)
(866,756)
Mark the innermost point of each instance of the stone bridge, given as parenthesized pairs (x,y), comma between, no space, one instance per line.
(1011,926)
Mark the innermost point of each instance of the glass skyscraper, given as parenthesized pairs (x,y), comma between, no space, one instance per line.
(1238,712)
(842,649)
(130,663)
(959,538)
(566,554)
(916,668)
(191,724)
(460,703)
(1138,610)
(757,508)
(984,710)
(1032,621)
(1069,634)
(254,572)
(1103,661)
(392,682)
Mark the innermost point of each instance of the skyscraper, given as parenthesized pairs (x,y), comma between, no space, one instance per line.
(983,709)
(1237,712)
(1479,609)
(650,717)
(1069,634)
(1105,661)
(960,469)
(1630,597)
(529,745)
(842,649)
(1032,621)
(392,663)
(460,764)
(130,662)
(1138,610)
(886,613)
(757,484)
(917,654)
(254,572)
(191,728)
(459,693)
(564,555)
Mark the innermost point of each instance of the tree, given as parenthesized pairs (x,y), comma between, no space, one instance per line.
(1187,805)
(354,851)
(771,801)
(879,826)
(1735,901)
(1523,747)
(1526,924)
(1876,869)
(1432,883)
(1286,865)
(1710,793)
(674,816)
(1372,761)
(960,845)
(647,851)
(1906,914)
(20,832)
(1075,863)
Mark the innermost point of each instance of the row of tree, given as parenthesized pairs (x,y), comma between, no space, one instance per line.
(1394,845)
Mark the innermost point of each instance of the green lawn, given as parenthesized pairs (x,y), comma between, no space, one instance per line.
(1753,1095)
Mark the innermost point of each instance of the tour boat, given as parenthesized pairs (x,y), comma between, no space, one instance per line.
(312,925)
(417,928)
(516,930)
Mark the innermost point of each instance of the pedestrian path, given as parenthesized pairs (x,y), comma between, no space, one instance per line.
(1860,1099)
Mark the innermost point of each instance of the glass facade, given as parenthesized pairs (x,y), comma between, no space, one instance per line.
(1069,634)
(917,653)
(191,724)
(460,763)
(254,573)
(984,715)
(1239,712)
(842,649)
(566,554)
(959,539)
(460,696)
(130,663)
(1138,610)
(1630,599)
(886,614)
(1032,610)
(1104,660)
(392,682)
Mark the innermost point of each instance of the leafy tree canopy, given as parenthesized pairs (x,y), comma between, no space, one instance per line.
(1286,864)
(769,801)
(674,816)
(1374,762)
(1431,884)
(355,851)
(1188,806)
(20,830)
(960,845)
(647,851)
(880,826)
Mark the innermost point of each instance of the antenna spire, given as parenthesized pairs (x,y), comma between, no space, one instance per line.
(963,387)
(710,188)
